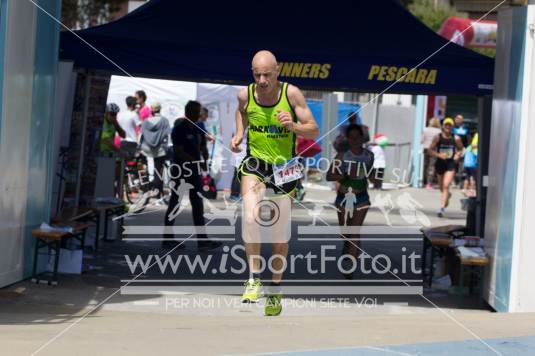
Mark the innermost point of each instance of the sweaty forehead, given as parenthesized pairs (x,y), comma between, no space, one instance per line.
(264,67)
(264,61)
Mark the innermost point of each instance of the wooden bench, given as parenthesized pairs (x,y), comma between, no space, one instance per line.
(109,210)
(92,213)
(52,240)
(440,240)
(69,215)
(475,265)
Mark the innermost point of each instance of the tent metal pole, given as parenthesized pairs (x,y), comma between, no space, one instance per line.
(484,131)
(329,121)
(373,129)
(419,124)
(82,139)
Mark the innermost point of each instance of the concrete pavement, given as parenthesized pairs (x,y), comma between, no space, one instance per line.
(88,314)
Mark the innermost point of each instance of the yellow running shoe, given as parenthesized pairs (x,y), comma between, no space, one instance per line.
(253,289)
(273,305)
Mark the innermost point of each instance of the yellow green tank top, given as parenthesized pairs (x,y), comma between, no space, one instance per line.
(267,139)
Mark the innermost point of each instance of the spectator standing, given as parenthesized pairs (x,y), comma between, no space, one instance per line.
(186,138)
(143,109)
(461,130)
(109,128)
(108,148)
(154,140)
(205,136)
(129,122)
(470,168)
(430,132)
(379,162)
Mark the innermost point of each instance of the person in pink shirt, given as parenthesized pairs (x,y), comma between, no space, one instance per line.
(143,109)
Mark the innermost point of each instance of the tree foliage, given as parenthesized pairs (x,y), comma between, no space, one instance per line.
(432,13)
(77,14)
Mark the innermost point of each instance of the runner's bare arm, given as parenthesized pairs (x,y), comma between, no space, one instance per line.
(118,128)
(372,174)
(432,151)
(241,121)
(460,148)
(307,126)
(335,171)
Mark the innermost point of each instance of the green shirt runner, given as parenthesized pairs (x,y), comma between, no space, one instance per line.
(108,133)
(267,139)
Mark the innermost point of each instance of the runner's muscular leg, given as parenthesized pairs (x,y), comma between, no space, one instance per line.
(279,262)
(357,220)
(252,191)
(446,181)
(440,180)
(279,245)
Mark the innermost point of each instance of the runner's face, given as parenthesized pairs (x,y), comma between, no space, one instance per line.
(139,100)
(447,128)
(265,78)
(195,115)
(355,139)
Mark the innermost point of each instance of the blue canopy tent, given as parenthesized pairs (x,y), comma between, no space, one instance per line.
(341,45)
(344,45)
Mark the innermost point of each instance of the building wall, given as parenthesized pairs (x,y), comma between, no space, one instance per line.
(390,118)
(127,7)
(29,49)
(510,201)
(477,8)
(523,289)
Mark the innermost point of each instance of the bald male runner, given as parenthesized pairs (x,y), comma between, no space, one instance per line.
(274,113)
